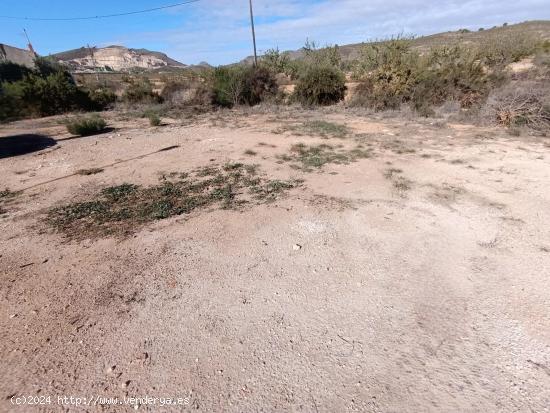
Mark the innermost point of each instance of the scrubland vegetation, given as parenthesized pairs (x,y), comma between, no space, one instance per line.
(387,75)
(48,89)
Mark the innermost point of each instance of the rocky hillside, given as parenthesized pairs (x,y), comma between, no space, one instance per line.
(115,58)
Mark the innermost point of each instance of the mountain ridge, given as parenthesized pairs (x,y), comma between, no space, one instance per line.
(115,58)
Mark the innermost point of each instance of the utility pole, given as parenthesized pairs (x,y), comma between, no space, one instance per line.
(94,63)
(253,34)
(29,44)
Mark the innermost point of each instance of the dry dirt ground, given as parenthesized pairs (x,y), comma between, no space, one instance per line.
(414,280)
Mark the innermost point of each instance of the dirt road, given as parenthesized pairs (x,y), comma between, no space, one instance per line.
(413,279)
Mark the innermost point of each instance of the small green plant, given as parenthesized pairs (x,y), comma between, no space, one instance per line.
(154,119)
(320,85)
(85,126)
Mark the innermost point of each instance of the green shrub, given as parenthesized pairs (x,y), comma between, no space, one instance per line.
(240,85)
(392,53)
(391,74)
(326,56)
(46,66)
(43,96)
(506,48)
(313,56)
(228,86)
(154,119)
(387,73)
(86,126)
(275,61)
(140,91)
(102,98)
(47,90)
(452,73)
(12,72)
(320,85)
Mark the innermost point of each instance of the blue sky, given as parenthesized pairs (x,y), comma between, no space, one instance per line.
(217,31)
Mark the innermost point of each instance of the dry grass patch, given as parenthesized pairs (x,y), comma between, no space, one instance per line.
(316,128)
(121,209)
(6,197)
(91,171)
(309,157)
(399,182)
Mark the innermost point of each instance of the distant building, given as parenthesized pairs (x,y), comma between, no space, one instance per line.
(16,55)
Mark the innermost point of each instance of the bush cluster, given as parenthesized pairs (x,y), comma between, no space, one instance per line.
(241,85)
(85,126)
(320,85)
(504,48)
(102,98)
(48,89)
(140,91)
(391,73)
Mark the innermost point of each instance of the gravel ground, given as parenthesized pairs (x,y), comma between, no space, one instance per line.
(414,280)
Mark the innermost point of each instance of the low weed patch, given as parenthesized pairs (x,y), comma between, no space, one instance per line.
(309,158)
(121,209)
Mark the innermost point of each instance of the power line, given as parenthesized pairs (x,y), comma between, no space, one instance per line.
(101,16)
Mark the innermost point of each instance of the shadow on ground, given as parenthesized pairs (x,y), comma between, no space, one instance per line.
(102,132)
(16,145)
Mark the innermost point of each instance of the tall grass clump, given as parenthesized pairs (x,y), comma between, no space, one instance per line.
(85,126)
